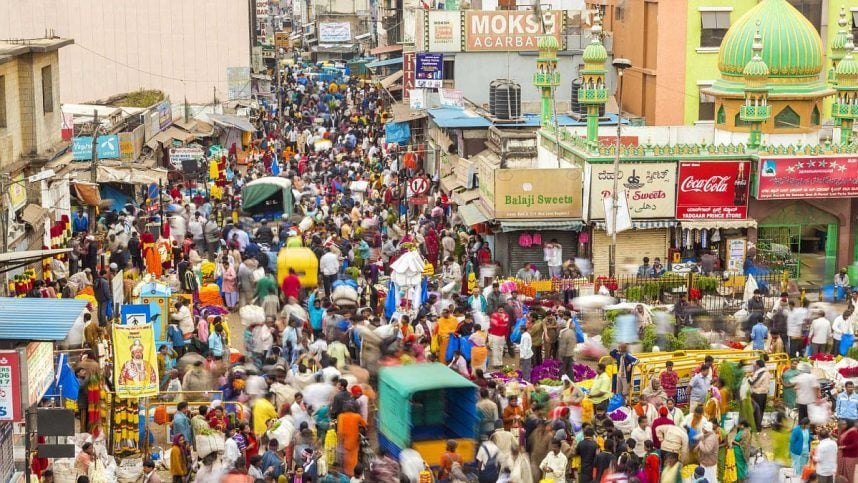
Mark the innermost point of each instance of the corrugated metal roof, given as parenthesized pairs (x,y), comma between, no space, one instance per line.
(524,225)
(448,117)
(38,319)
(382,63)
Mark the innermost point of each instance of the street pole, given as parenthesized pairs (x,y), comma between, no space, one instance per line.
(94,162)
(621,65)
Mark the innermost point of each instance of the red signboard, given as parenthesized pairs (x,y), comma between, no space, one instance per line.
(712,190)
(408,61)
(10,386)
(808,177)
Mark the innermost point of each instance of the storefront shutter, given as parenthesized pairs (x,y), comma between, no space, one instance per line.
(519,255)
(632,246)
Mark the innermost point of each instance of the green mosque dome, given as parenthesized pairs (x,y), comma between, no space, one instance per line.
(792,47)
(547,42)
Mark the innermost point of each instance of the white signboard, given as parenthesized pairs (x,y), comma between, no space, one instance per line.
(417,99)
(177,155)
(650,189)
(335,31)
(40,370)
(445,31)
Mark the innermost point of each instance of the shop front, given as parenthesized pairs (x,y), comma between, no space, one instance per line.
(804,207)
(712,209)
(651,198)
(533,207)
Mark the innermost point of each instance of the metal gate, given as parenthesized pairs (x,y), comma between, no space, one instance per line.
(778,247)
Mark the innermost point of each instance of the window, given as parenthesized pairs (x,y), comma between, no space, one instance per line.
(2,101)
(812,11)
(855,23)
(619,14)
(47,89)
(722,116)
(714,25)
(739,122)
(814,116)
(787,119)
(706,107)
(449,69)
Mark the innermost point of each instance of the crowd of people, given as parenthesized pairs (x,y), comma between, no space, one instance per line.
(308,372)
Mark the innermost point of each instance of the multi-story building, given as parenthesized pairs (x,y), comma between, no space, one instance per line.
(674,47)
(183,49)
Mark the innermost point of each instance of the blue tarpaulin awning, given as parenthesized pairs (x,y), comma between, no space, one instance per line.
(397,132)
(384,63)
(37,318)
(449,117)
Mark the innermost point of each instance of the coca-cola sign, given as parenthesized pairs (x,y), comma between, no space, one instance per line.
(713,190)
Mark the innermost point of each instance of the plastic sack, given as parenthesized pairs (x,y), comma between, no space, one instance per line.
(251,315)
(130,470)
(615,402)
(579,332)
(818,413)
(846,342)
(209,443)
(515,336)
(283,431)
(625,425)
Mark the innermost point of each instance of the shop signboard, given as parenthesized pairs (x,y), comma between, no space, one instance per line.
(10,386)
(408,60)
(451,98)
(108,147)
(508,30)
(178,155)
(165,114)
(807,177)
(537,193)
(712,190)
(40,370)
(429,71)
(649,189)
(444,31)
(18,192)
(335,31)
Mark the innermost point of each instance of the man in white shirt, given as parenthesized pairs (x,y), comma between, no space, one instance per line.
(553,253)
(795,324)
(329,265)
(488,455)
(806,390)
(641,434)
(554,465)
(525,353)
(820,332)
(826,458)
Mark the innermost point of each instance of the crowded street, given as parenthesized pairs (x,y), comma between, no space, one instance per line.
(355,266)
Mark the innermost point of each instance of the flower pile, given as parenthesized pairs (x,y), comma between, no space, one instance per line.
(549,369)
(822,357)
(848,371)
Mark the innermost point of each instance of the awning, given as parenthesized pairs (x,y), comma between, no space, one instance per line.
(521,225)
(448,117)
(403,113)
(87,193)
(391,79)
(465,197)
(386,62)
(145,176)
(34,214)
(450,183)
(712,224)
(38,319)
(386,49)
(168,135)
(232,121)
(472,215)
(644,224)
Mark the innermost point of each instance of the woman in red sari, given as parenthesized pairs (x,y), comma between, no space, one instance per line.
(847,454)
(433,246)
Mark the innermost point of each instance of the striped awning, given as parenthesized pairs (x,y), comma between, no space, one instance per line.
(712,224)
(644,224)
(38,319)
(523,225)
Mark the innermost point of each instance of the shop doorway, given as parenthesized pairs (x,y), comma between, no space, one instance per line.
(802,239)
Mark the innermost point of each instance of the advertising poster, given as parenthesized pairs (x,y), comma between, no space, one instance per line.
(808,177)
(10,386)
(429,71)
(445,31)
(649,189)
(451,98)
(335,32)
(508,30)
(135,372)
(40,370)
(108,148)
(417,99)
(713,190)
(533,193)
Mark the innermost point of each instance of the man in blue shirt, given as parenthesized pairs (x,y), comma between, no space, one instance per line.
(181,422)
(847,403)
(759,333)
(80,222)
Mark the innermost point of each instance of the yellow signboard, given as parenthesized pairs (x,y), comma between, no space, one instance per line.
(135,372)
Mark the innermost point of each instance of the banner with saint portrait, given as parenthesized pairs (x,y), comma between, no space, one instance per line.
(135,365)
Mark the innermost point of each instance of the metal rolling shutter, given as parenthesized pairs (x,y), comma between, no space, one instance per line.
(518,255)
(632,246)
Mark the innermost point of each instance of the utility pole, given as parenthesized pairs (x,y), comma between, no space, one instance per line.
(94,161)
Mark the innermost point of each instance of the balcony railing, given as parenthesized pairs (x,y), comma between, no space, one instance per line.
(755,113)
(592,96)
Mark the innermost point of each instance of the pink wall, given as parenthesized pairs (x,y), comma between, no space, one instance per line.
(181,47)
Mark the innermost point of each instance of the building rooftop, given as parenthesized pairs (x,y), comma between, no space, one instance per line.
(11,48)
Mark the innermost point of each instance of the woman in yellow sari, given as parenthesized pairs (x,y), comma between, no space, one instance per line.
(446,325)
